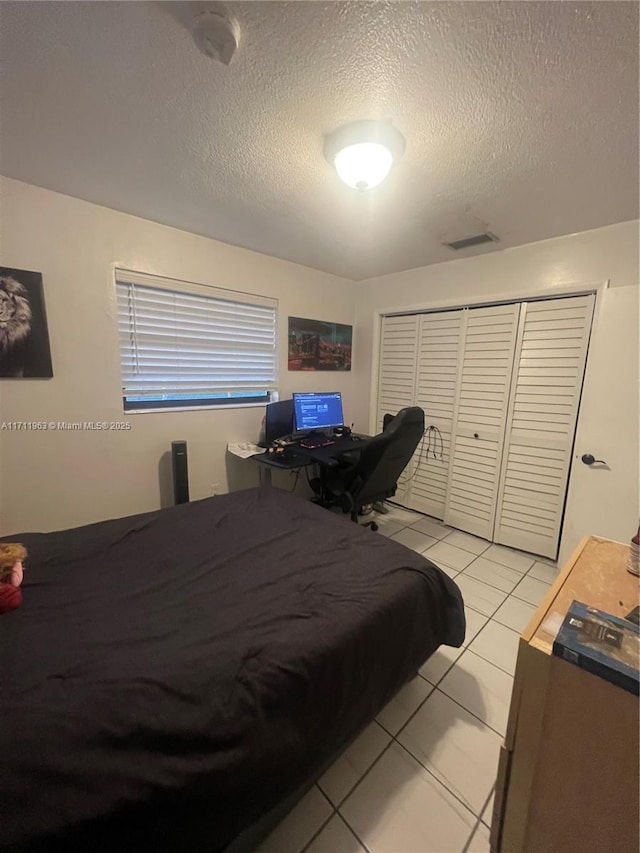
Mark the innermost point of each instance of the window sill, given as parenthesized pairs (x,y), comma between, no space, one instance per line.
(166,409)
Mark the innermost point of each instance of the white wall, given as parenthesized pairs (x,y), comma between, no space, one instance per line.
(50,480)
(603,502)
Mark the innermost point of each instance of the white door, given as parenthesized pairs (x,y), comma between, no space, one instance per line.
(550,358)
(604,499)
(440,344)
(397,378)
(484,379)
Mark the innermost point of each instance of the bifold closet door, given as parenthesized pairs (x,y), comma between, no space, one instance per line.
(397,378)
(439,351)
(550,360)
(479,420)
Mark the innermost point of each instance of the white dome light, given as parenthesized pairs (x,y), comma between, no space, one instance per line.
(363,152)
(363,165)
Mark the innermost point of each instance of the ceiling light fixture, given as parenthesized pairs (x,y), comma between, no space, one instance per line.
(364,151)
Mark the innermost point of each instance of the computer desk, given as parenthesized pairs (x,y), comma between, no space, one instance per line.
(300,457)
(288,461)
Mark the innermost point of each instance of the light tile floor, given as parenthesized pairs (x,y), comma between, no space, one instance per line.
(421,777)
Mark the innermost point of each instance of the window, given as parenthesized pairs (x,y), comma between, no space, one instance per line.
(185,345)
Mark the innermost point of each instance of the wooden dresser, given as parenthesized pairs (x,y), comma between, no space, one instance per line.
(568,772)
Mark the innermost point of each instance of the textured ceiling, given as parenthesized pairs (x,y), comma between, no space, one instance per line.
(519,117)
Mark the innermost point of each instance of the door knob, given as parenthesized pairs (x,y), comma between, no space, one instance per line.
(589,459)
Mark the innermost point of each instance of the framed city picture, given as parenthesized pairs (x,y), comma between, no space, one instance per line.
(24,337)
(318,345)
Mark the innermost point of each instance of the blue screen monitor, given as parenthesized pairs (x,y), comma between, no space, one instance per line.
(318,411)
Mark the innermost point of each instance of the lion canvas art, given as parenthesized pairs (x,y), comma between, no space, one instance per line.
(24,337)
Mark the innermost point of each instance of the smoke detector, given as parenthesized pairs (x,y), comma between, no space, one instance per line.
(216,33)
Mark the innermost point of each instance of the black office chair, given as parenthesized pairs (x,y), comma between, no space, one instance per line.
(374,476)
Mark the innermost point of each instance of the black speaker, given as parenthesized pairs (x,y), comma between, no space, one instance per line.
(180,472)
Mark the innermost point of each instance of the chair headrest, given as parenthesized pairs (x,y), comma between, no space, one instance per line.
(408,415)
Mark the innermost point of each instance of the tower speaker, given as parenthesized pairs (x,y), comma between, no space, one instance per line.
(180,472)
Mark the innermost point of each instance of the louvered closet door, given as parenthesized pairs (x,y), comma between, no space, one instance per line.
(397,378)
(489,339)
(550,360)
(439,349)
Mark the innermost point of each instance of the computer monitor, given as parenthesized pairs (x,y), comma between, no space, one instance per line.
(318,411)
(278,421)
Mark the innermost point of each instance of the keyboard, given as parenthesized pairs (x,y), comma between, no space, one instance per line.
(312,442)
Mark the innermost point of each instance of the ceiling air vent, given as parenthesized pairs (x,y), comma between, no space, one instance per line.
(476,240)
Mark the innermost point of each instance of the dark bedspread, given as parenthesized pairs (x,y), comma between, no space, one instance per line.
(170,676)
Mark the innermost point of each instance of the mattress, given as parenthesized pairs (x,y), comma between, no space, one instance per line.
(171,676)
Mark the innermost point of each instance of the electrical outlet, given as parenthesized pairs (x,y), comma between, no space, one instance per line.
(215,489)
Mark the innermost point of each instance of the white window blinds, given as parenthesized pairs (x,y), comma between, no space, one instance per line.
(184,345)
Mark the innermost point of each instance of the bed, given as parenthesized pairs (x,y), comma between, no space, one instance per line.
(171,677)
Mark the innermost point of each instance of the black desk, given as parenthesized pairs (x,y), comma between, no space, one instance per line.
(285,461)
(300,457)
(329,455)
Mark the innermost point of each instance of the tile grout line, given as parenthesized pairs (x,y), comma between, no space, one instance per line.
(324,823)
(366,772)
(444,539)
(504,625)
(491,793)
(464,708)
(334,813)
(453,663)
(530,603)
(412,715)
(439,781)
(493,663)
(361,779)
(494,617)
(413,757)
(471,834)
(352,830)
(500,565)
(479,580)
(507,594)
(475,557)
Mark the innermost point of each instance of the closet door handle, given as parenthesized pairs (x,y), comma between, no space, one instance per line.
(590,459)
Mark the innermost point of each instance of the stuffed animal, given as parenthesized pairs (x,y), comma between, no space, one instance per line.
(11,570)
